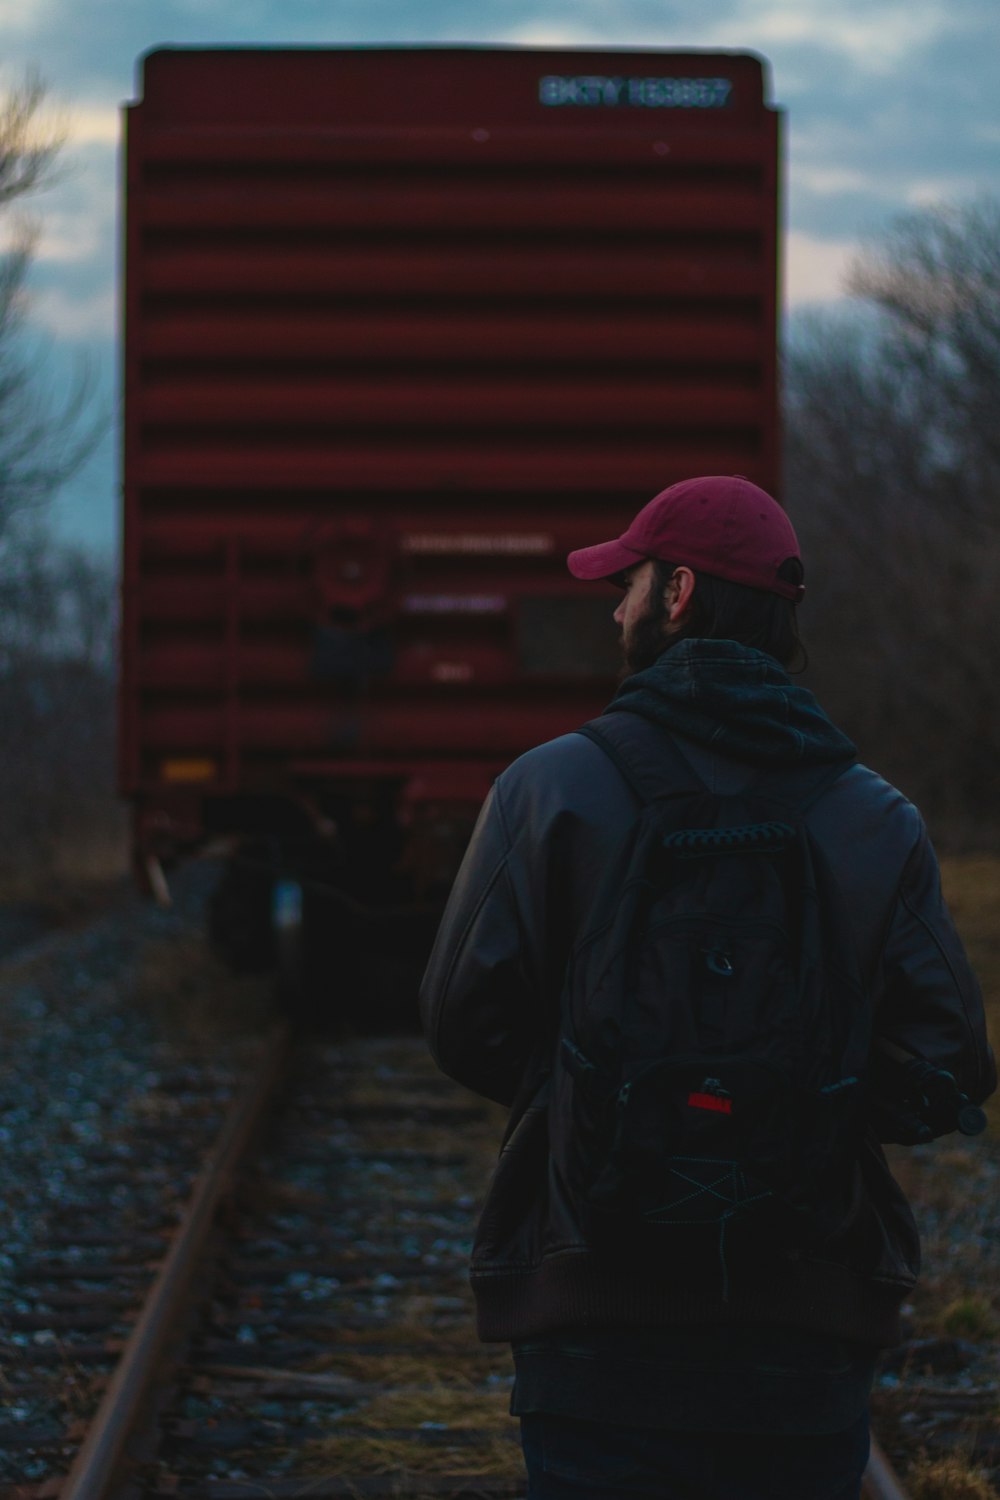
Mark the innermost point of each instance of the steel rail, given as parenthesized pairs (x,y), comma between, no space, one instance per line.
(95,1465)
(880,1481)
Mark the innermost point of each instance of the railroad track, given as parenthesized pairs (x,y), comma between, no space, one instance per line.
(322,1337)
(308,1329)
(108,1219)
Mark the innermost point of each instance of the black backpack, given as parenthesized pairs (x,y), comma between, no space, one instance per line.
(715,1028)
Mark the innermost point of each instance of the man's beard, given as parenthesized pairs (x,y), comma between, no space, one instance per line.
(648,637)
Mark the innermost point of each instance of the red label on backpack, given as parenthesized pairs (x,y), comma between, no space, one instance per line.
(711,1101)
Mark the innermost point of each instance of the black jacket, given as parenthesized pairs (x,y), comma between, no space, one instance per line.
(490,999)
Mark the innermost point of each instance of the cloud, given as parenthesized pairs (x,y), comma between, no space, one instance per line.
(927,191)
(68,314)
(876,36)
(605,23)
(67,237)
(832,179)
(90,124)
(815,269)
(76,215)
(552,34)
(18,17)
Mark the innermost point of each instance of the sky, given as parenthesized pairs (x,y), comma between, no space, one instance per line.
(889,105)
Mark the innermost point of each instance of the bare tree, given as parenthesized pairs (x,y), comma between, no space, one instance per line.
(58,813)
(56,604)
(936,276)
(41,443)
(28,145)
(893,461)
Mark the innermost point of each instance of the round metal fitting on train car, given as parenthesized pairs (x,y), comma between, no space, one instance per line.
(351,563)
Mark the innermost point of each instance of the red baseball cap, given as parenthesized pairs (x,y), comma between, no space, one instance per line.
(721,524)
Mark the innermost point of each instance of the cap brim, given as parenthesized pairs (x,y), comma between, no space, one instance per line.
(606,560)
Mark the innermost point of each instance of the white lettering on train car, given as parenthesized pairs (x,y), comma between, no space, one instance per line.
(452,671)
(594,91)
(477,544)
(454,604)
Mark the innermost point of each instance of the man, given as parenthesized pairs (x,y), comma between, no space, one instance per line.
(635,1375)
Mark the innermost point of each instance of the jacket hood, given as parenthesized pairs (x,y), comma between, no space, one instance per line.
(735,700)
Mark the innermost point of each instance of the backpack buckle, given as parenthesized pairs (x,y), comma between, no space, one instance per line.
(718,961)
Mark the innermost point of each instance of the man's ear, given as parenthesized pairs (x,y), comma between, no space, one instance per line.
(679,593)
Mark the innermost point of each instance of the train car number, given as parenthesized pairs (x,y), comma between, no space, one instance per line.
(594,91)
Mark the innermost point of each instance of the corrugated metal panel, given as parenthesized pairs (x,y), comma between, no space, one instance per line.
(489,294)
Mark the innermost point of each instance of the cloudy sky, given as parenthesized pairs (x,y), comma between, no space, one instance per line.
(889,104)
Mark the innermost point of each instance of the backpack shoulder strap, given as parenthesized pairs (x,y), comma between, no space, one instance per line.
(645,755)
(798,789)
(649,759)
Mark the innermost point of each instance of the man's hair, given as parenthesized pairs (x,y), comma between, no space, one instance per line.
(724,611)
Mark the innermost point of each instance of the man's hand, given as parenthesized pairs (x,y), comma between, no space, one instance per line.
(912,1102)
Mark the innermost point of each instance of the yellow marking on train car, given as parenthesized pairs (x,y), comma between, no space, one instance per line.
(189,768)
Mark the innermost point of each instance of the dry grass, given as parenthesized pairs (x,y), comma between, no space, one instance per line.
(948,1478)
(972,883)
(77,875)
(448,1406)
(458,1370)
(953,1188)
(182,985)
(440,1409)
(414,1332)
(62,902)
(357,1455)
(972,890)
(968,1317)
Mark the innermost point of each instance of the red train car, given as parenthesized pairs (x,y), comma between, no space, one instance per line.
(402,326)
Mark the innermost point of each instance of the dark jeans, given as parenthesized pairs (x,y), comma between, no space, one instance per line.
(569,1459)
